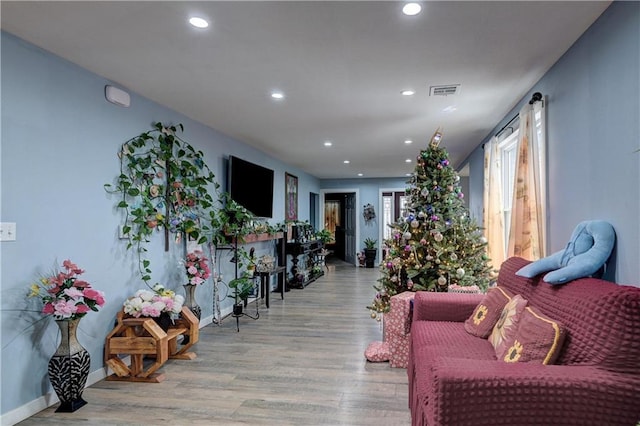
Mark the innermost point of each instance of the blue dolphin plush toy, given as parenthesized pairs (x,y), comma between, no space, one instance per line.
(588,250)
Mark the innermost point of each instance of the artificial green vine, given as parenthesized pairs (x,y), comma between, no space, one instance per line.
(164,184)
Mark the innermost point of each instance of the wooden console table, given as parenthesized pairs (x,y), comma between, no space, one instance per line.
(140,337)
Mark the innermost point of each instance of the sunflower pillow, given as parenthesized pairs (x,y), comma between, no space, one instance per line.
(507,325)
(487,313)
(538,339)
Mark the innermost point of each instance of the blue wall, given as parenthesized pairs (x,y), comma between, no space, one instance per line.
(368,193)
(60,138)
(593,131)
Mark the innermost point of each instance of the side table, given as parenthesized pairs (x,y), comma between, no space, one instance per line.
(265,283)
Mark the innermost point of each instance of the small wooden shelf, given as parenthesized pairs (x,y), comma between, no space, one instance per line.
(143,337)
(254,238)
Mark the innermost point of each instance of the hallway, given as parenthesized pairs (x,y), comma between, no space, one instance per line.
(300,363)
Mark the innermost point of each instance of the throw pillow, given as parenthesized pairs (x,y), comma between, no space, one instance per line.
(507,325)
(486,314)
(538,339)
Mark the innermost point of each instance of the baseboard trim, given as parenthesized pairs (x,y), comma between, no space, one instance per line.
(47,400)
(50,398)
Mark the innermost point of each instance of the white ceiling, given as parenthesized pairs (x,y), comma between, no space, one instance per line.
(340,64)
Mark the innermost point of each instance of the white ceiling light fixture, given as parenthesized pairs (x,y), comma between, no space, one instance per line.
(360,174)
(411,9)
(328,143)
(408,92)
(408,142)
(277,95)
(346,161)
(408,160)
(198,22)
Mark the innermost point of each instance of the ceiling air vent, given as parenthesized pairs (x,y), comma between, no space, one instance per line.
(445,90)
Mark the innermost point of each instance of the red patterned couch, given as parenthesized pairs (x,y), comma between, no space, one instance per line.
(456,379)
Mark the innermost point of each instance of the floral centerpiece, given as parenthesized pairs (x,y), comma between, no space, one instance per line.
(65,296)
(197,268)
(152,303)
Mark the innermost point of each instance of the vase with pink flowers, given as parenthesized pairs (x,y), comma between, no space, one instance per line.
(197,270)
(68,298)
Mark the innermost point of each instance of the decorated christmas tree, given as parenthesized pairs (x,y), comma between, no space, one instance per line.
(437,246)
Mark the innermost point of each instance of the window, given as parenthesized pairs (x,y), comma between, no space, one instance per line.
(394,206)
(508,151)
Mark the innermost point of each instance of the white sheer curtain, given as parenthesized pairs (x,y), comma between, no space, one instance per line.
(527,235)
(493,213)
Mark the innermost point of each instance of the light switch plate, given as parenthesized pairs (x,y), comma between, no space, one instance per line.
(7,231)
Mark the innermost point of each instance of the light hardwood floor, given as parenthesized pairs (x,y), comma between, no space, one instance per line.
(300,363)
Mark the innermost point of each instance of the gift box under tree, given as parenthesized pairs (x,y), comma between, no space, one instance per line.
(397,329)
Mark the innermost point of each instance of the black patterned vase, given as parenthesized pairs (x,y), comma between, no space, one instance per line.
(69,368)
(190,300)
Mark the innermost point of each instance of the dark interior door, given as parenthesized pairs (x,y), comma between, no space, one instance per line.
(344,247)
(350,228)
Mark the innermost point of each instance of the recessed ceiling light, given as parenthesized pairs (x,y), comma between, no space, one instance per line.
(359,174)
(407,174)
(277,95)
(408,160)
(346,161)
(408,93)
(408,142)
(328,143)
(411,9)
(450,108)
(198,22)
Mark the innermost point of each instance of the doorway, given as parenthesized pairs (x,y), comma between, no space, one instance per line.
(338,214)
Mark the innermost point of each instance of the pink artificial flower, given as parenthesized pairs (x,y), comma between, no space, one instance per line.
(73,293)
(82,309)
(72,267)
(81,284)
(92,294)
(47,308)
(64,308)
(192,270)
(150,311)
(196,280)
(167,301)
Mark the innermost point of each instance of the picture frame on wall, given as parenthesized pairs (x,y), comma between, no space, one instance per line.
(290,197)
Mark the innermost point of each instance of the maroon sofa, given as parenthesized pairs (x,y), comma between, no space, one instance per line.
(455,378)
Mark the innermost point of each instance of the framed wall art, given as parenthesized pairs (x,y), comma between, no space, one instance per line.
(290,197)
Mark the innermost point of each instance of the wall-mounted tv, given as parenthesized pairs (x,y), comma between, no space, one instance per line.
(251,186)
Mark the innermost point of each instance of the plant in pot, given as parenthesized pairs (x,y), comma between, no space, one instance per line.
(324,235)
(232,221)
(370,252)
(242,289)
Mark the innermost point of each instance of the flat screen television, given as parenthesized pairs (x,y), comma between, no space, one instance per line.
(251,186)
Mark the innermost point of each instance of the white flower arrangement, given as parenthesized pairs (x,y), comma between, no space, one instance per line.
(152,303)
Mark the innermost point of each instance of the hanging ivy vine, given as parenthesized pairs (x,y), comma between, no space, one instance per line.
(164,186)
